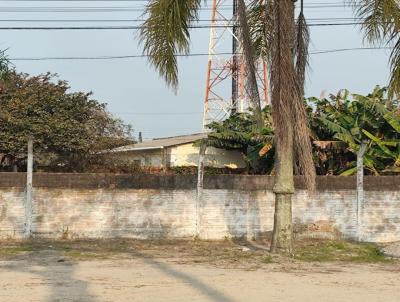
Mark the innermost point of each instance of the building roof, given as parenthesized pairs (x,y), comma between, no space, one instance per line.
(159,143)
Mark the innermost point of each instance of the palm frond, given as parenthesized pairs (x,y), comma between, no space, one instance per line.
(302,134)
(261,24)
(394,84)
(301,48)
(165,33)
(382,25)
(249,59)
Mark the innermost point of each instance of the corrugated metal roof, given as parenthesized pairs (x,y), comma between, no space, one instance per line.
(159,143)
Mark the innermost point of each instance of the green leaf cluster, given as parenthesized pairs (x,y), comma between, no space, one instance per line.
(239,132)
(353,119)
(339,124)
(66,126)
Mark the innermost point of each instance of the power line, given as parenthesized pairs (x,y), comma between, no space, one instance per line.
(81,9)
(306,5)
(138,27)
(141,8)
(335,24)
(80,20)
(141,20)
(104,57)
(94,27)
(316,52)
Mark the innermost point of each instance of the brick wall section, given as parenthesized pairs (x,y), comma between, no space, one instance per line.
(148,206)
(12,212)
(141,213)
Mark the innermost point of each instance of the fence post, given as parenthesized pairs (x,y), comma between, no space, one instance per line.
(29,188)
(199,188)
(360,187)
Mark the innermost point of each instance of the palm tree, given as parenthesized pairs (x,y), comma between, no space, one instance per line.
(165,34)
(381,25)
(286,45)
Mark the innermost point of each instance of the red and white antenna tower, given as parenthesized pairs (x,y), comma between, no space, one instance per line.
(226,74)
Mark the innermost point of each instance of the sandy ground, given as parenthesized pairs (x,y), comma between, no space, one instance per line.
(47,277)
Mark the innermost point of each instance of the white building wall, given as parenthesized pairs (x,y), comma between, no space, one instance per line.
(147,158)
(188,155)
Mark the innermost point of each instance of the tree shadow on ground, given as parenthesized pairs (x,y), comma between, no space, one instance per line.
(59,276)
(64,286)
(205,289)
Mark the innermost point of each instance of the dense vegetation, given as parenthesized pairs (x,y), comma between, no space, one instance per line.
(339,124)
(67,127)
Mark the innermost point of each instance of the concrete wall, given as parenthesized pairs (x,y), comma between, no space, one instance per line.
(149,206)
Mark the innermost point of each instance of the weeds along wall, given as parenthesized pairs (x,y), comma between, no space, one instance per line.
(154,206)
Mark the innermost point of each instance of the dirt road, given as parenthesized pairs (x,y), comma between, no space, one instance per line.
(44,276)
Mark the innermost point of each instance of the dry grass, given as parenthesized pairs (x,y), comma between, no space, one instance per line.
(218,253)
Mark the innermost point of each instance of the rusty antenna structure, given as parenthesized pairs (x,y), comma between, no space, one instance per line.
(226,74)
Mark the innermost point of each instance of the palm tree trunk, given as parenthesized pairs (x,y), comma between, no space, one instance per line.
(284,92)
(282,239)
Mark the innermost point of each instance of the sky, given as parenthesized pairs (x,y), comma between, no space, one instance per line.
(134,91)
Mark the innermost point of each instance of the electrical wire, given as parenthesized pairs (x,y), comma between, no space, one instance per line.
(133,27)
(141,20)
(316,52)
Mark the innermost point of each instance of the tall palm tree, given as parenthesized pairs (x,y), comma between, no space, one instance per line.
(290,122)
(274,38)
(165,34)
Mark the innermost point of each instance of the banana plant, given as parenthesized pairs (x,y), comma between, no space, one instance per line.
(354,119)
(238,132)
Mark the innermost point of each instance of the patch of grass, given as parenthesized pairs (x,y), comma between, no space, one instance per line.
(218,253)
(76,250)
(324,251)
(339,245)
(17,249)
(12,251)
(267,259)
(370,253)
